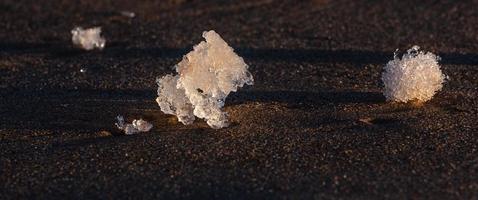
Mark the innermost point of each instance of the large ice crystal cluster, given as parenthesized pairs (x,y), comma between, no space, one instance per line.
(205,77)
(88,39)
(414,77)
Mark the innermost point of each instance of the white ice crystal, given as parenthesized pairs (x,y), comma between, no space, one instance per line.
(138,125)
(416,76)
(205,77)
(88,39)
(173,100)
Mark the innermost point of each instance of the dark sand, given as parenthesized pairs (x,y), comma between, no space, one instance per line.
(314,125)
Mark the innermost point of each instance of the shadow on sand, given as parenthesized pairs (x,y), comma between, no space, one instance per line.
(96,109)
(122,50)
(306,98)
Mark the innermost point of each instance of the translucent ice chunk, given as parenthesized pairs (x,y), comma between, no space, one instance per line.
(138,125)
(416,76)
(88,39)
(173,100)
(206,76)
(142,125)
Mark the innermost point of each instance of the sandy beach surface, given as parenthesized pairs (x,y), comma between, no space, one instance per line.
(315,124)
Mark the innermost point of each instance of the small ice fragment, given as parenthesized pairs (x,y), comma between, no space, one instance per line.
(128,14)
(416,76)
(173,100)
(138,125)
(205,78)
(88,39)
(142,125)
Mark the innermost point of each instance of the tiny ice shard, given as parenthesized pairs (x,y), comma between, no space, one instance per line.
(128,14)
(416,76)
(138,125)
(205,78)
(88,39)
(142,125)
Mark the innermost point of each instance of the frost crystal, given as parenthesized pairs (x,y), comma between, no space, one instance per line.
(173,100)
(416,76)
(205,77)
(133,128)
(88,39)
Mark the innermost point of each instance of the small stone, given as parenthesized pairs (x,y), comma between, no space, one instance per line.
(104,134)
(366,120)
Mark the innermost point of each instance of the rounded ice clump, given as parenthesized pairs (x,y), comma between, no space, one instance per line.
(88,39)
(414,77)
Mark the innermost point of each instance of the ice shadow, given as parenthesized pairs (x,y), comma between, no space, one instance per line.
(304,98)
(49,48)
(77,110)
(123,50)
(58,50)
(291,55)
(91,109)
(344,56)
